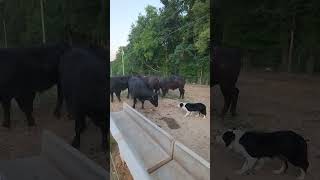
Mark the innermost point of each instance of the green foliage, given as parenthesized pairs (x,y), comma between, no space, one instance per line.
(171,40)
(263,28)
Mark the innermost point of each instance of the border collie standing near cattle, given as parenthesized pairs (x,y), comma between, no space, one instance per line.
(255,146)
(194,107)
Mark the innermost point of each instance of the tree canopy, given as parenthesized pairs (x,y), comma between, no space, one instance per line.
(280,34)
(173,39)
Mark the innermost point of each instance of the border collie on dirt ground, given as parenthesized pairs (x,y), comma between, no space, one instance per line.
(194,107)
(288,146)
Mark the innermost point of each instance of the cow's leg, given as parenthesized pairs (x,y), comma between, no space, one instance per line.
(111,95)
(79,121)
(6,105)
(25,103)
(104,134)
(134,102)
(227,100)
(164,92)
(128,96)
(118,95)
(181,90)
(142,104)
(100,120)
(57,110)
(234,101)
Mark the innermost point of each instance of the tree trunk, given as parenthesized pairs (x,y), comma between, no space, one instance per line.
(284,56)
(5,34)
(200,79)
(290,55)
(42,22)
(310,64)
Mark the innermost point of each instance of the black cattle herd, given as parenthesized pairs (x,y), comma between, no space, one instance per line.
(80,74)
(145,87)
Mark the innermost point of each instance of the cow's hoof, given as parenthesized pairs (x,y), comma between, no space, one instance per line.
(6,124)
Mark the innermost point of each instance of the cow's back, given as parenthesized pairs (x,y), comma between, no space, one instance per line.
(84,81)
(119,83)
(226,65)
(138,87)
(28,69)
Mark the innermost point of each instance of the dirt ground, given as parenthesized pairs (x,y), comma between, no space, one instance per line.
(192,131)
(21,141)
(270,101)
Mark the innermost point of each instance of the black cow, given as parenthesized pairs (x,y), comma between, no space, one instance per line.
(83,76)
(118,84)
(23,73)
(139,90)
(226,69)
(153,83)
(173,82)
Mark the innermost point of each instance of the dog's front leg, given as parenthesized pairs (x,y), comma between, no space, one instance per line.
(244,166)
(187,114)
(250,162)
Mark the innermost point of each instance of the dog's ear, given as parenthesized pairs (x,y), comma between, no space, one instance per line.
(228,138)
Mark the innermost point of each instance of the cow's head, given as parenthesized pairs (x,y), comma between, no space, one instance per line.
(154,100)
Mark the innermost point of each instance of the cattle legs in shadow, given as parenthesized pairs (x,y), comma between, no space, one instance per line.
(80,126)
(6,105)
(57,110)
(25,103)
(230,99)
(181,90)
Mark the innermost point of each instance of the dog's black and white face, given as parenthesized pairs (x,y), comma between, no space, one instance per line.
(182,106)
(229,137)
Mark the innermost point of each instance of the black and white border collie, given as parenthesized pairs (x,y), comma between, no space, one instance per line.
(256,146)
(194,107)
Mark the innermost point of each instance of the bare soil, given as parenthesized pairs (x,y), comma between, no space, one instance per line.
(270,101)
(192,131)
(22,141)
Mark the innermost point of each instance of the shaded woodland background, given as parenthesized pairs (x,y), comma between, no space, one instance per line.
(75,21)
(282,35)
(171,40)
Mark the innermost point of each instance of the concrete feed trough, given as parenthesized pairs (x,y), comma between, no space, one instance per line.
(152,153)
